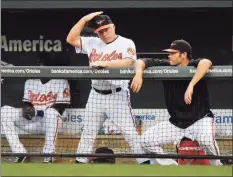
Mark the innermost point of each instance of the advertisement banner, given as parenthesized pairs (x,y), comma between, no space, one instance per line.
(144,119)
(223,122)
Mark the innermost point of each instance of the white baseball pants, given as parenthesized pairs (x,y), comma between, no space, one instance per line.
(115,106)
(12,118)
(164,133)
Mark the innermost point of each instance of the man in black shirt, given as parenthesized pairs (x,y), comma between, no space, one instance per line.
(187,103)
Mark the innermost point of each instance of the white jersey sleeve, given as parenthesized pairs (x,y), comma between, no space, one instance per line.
(85,44)
(27,86)
(63,92)
(130,50)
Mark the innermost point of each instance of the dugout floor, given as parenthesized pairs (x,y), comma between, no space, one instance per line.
(69,145)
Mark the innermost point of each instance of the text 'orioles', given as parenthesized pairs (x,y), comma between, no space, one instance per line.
(42,97)
(94,56)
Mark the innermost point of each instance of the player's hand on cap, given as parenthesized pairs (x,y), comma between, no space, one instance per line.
(136,84)
(99,64)
(90,16)
(188,95)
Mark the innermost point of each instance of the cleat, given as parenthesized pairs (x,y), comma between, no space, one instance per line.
(49,160)
(20,159)
(146,162)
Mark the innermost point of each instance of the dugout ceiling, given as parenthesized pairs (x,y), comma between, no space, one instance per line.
(22,4)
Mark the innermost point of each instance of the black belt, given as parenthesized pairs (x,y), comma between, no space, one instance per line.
(106,92)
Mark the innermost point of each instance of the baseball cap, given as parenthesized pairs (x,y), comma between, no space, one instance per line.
(180,46)
(103,150)
(100,22)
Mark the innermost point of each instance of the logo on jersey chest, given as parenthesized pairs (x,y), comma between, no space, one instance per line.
(94,56)
(38,97)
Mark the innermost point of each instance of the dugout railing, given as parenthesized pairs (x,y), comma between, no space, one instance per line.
(154,73)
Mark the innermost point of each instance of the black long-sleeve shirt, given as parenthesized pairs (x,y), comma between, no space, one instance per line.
(182,114)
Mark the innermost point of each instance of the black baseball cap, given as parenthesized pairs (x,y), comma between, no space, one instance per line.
(100,22)
(180,46)
(103,150)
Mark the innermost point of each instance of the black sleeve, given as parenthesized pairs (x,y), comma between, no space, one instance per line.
(195,62)
(149,62)
(60,107)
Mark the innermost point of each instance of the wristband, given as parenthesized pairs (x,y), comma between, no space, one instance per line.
(40,113)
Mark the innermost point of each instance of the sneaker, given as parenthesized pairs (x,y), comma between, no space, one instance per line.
(20,159)
(49,160)
(146,162)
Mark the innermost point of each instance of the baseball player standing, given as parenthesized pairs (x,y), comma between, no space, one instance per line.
(187,103)
(107,97)
(44,102)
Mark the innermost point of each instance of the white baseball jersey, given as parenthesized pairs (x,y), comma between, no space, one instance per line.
(97,50)
(115,106)
(45,95)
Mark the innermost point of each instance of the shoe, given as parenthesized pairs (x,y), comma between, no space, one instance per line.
(226,162)
(77,162)
(20,159)
(146,162)
(49,160)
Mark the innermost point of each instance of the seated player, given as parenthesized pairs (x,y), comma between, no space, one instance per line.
(44,102)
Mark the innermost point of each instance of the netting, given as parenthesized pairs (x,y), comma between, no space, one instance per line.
(113,118)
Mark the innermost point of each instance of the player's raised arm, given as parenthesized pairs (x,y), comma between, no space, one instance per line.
(203,66)
(74,34)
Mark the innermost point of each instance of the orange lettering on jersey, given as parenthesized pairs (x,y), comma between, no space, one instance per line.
(99,56)
(94,56)
(131,51)
(38,97)
(49,96)
(105,57)
(119,56)
(66,93)
(33,96)
(42,98)
(111,55)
